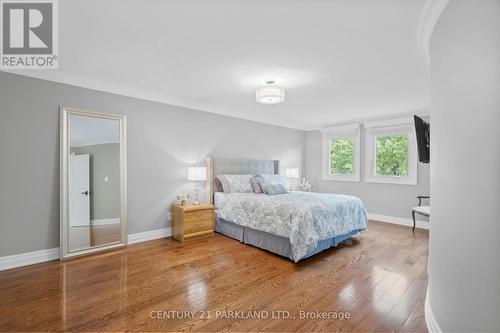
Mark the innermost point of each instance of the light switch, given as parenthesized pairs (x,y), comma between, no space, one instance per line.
(106,179)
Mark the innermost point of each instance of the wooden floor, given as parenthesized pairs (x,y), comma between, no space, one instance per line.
(84,237)
(379,278)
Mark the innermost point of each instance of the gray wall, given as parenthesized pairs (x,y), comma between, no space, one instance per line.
(162,141)
(464,264)
(104,196)
(384,199)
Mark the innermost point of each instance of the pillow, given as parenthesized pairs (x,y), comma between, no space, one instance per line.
(266,180)
(273,189)
(236,183)
(254,181)
(273,179)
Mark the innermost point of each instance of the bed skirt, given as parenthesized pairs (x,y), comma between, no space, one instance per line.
(276,244)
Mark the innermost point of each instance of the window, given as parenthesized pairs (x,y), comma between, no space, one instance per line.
(341,156)
(391,153)
(341,153)
(391,158)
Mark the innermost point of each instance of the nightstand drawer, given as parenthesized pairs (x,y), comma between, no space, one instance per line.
(192,221)
(198,215)
(191,227)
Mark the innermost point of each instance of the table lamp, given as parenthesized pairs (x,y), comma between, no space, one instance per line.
(197,175)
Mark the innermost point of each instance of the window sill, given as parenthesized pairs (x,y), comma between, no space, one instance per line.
(392,180)
(341,179)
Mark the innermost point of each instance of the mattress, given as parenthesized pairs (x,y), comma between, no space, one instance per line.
(304,219)
(218,198)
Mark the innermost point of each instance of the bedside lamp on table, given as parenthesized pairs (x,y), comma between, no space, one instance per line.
(293,175)
(197,175)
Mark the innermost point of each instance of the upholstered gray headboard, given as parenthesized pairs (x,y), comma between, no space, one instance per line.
(224,166)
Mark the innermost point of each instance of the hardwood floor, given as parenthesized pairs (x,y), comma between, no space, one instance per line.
(378,277)
(84,237)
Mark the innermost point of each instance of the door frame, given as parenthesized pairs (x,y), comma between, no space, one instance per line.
(65,112)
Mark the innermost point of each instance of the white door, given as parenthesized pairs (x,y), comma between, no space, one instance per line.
(79,190)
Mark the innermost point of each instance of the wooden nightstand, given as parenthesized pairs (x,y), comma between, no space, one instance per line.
(191,221)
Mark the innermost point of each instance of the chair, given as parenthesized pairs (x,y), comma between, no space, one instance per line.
(423,210)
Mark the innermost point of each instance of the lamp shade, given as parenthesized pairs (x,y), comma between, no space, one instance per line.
(197,174)
(292,173)
(270,95)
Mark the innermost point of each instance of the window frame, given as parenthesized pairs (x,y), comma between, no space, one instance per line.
(396,128)
(351,132)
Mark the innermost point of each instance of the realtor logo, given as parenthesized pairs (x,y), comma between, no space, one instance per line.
(29,37)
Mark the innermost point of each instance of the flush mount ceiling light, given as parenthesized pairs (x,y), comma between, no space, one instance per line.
(270,94)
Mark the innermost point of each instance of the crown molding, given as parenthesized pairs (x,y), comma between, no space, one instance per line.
(120,89)
(429,17)
(396,121)
(341,128)
(425,112)
(97,85)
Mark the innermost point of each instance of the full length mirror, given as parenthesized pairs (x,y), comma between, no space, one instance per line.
(93,182)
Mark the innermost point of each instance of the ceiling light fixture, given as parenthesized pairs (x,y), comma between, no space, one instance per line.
(270,93)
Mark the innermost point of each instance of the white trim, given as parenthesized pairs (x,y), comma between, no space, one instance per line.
(94,249)
(399,220)
(28,258)
(119,89)
(35,257)
(430,320)
(420,112)
(429,17)
(149,235)
(349,128)
(123,90)
(370,154)
(105,221)
(400,121)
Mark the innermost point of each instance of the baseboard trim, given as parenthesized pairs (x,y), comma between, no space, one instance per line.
(105,221)
(29,258)
(36,257)
(399,220)
(430,320)
(149,235)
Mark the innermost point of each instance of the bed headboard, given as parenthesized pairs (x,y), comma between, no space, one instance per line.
(224,166)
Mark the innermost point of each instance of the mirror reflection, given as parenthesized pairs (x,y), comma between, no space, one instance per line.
(93,182)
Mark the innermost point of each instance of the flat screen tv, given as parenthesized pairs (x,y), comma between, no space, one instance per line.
(423,133)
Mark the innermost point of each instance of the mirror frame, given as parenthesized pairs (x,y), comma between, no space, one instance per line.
(65,112)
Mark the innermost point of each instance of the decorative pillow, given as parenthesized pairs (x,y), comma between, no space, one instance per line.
(254,181)
(266,180)
(273,189)
(236,183)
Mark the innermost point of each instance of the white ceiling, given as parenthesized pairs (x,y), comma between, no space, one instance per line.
(338,59)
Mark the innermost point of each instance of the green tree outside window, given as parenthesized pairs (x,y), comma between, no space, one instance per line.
(341,156)
(391,155)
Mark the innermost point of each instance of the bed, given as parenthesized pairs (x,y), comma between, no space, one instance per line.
(295,224)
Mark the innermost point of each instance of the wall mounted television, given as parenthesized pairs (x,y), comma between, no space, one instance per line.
(422,130)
